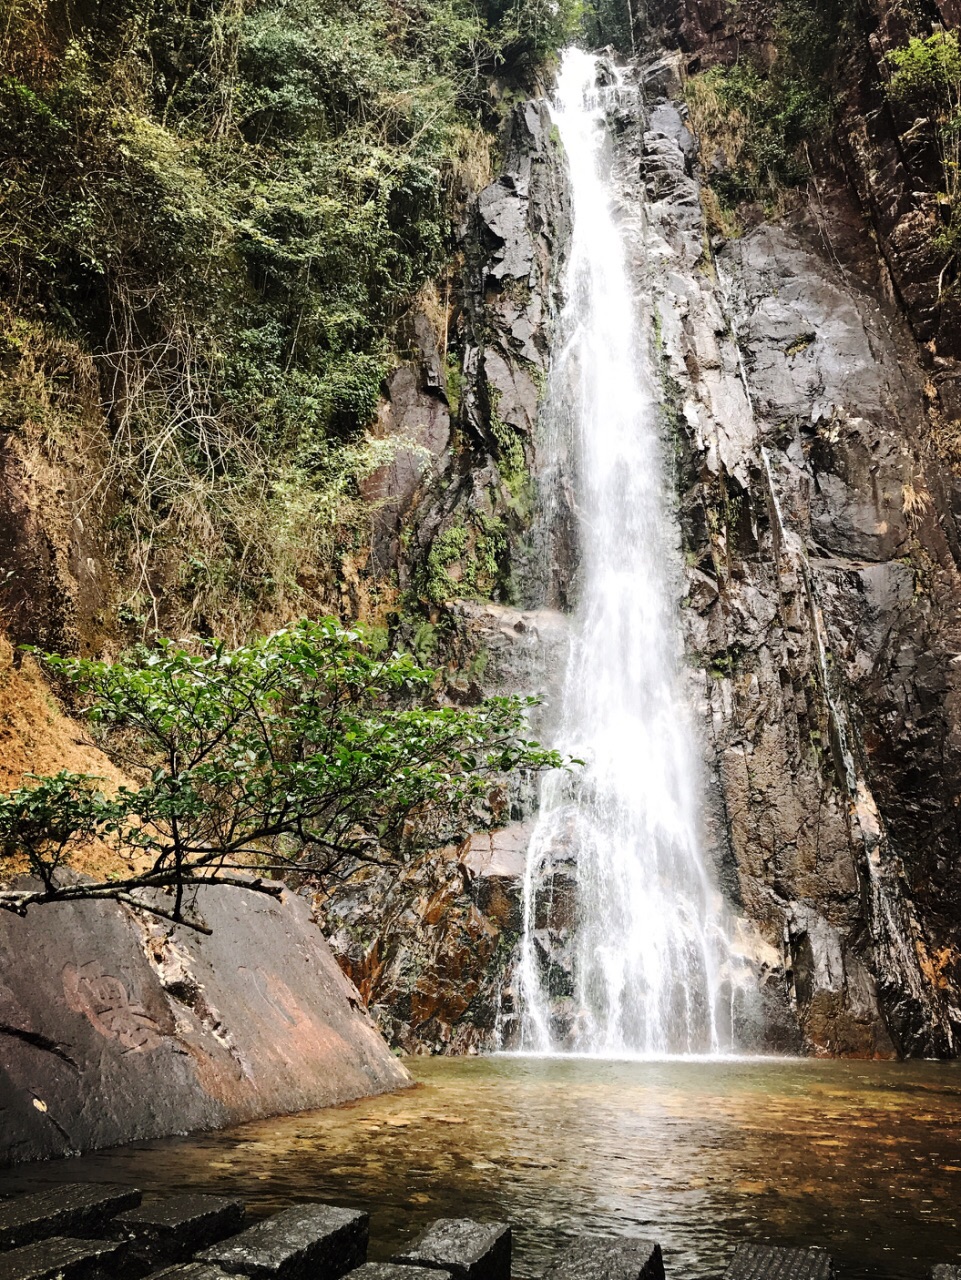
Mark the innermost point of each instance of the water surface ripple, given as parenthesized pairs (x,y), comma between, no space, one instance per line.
(864,1158)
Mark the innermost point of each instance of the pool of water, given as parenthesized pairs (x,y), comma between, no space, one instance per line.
(864,1158)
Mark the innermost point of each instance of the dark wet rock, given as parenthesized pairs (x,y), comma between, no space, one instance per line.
(306,1242)
(426,957)
(174,1229)
(605,1258)
(74,1209)
(190,1032)
(766,1262)
(63,1258)
(467,1250)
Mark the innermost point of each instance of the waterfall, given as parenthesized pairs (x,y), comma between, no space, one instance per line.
(649,967)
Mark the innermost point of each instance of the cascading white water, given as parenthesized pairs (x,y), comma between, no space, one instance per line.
(653,968)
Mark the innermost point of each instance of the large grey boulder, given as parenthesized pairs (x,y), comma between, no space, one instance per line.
(122,1027)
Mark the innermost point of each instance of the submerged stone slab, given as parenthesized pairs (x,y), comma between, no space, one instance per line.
(192,1271)
(608,1258)
(307,1242)
(62,1258)
(946,1271)
(76,1209)
(394,1271)
(768,1262)
(468,1250)
(173,1230)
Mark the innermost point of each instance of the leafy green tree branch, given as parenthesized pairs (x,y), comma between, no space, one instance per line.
(302,752)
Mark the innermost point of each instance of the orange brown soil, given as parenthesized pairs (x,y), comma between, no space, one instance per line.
(37,736)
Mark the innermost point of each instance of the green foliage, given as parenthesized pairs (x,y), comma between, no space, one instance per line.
(620,23)
(927,78)
(447,549)
(927,73)
(229,206)
(295,752)
(757,125)
(477,551)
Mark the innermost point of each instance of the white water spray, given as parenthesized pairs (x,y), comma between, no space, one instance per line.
(653,967)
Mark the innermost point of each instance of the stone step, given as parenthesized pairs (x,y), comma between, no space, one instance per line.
(75,1209)
(768,1262)
(608,1258)
(394,1271)
(62,1258)
(192,1271)
(163,1232)
(307,1242)
(468,1250)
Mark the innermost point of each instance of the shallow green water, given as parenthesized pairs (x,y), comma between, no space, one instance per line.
(864,1158)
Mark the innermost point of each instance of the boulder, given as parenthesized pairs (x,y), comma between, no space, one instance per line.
(79,1209)
(600,1258)
(123,1028)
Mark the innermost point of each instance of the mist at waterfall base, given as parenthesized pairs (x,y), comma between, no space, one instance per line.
(654,970)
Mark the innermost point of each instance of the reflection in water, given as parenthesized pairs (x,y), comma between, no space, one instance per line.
(864,1158)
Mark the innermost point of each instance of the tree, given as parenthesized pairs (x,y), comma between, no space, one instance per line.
(300,752)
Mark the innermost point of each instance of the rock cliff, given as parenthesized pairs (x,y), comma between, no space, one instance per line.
(805,369)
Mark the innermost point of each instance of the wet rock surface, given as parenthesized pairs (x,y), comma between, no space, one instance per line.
(393,1271)
(465,1249)
(306,1242)
(77,1209)
(168,1231)
(191,1031)
(431,951)
(604,1259)
(767,1262)
(62,1258)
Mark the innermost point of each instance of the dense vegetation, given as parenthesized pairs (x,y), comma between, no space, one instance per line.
(758,124)
(926,80)
(212,215)
(762,127)
(299,753)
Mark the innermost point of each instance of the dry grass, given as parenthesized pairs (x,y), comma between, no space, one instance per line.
(725,134)
(915,500)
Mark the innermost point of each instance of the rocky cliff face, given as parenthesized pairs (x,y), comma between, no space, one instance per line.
(821,607)
(801,374)
(819,502)
(432,950)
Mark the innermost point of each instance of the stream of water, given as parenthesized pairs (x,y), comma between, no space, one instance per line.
(653,966)
(862,1157)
